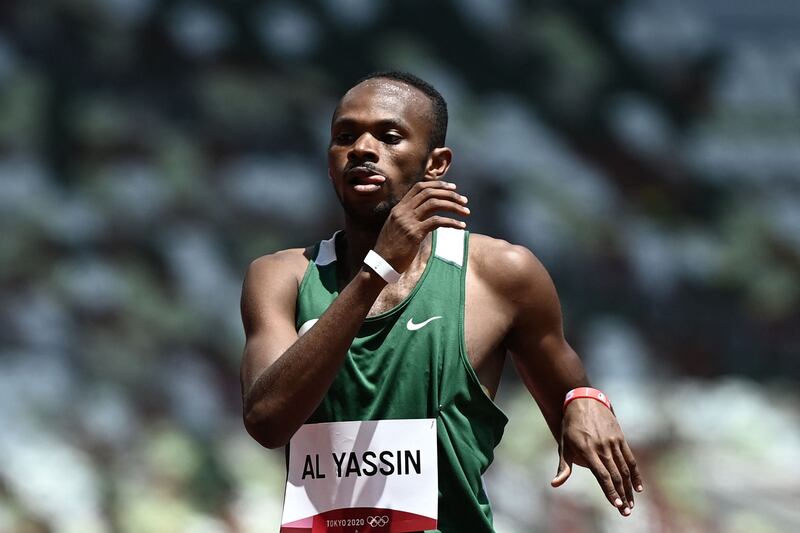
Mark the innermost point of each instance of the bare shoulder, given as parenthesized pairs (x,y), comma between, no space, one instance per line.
(275,273)
(270,288)
(507,267)
(283,263)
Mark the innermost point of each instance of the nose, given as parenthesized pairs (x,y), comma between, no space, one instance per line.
(363,149)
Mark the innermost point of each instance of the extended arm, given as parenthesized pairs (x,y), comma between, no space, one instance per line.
(588,433)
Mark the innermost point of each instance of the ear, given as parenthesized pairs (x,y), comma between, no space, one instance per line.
(438,163)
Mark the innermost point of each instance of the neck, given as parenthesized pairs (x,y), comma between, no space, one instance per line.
(359,239)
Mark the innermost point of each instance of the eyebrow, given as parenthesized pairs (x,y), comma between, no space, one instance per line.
(386,122)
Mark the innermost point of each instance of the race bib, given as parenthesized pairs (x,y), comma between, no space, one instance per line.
(355,477)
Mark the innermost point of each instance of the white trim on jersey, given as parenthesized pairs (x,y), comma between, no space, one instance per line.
(450,245)
(327,251)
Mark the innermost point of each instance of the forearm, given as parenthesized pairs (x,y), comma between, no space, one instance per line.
(287,392)
(567,373)
(549,376)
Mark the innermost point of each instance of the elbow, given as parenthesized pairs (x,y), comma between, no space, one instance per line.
(263,428)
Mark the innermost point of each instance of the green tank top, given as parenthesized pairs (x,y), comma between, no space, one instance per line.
(411,362)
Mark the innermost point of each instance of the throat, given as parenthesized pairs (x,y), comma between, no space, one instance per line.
(352,246)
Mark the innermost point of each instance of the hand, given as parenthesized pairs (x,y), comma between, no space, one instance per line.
(413,218)
(591,437)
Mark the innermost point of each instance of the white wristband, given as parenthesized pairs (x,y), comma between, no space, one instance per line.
(381,267)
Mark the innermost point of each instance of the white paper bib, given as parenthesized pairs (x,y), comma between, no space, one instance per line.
(355,477)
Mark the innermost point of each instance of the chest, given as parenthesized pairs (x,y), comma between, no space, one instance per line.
(487,321)
(393,295)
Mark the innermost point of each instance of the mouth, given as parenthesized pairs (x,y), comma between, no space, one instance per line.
(365,179)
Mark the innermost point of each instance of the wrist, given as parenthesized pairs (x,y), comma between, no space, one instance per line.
(588,393)
(381,267)
(372,282)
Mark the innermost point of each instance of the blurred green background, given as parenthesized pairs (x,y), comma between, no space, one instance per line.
(647,151)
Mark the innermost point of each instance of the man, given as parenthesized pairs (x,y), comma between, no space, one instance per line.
(330,339)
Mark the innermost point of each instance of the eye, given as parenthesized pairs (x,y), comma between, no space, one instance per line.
(343,138)
(391,137)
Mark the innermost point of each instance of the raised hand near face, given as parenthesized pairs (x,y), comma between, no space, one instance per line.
(415,216)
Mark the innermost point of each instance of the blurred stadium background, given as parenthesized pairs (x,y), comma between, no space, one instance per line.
(647,151)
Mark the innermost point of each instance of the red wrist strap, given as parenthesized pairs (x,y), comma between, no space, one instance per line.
(587,392)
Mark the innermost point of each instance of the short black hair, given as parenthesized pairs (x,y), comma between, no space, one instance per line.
(438,104)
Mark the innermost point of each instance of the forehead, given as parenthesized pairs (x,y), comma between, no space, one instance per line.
(382,99)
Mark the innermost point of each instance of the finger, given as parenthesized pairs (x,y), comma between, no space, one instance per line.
(607,456)
(636,477)
(436,192)
(563,473)
(423,185)
(564,466)
(622,466)
(606,483)
(431,223)
(432,205)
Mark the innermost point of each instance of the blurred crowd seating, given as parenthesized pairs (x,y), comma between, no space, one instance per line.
(647,151)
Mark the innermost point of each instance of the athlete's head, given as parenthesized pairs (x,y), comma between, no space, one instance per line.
(438,109)
(387,133)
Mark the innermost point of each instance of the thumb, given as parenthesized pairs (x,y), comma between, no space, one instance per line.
(564,471)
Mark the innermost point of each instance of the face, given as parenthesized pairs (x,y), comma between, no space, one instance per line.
(379,147)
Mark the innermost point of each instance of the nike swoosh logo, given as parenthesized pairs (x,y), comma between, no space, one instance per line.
(414,327)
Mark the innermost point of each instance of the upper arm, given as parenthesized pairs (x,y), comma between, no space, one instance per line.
(529,297)
(543,358)
(537,334)
(269,296)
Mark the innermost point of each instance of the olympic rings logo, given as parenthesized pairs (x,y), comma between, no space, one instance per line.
(377,521)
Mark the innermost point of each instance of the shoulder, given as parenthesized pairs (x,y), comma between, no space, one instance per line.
(511,270)
(276,268)
(503,262)
(287,261)
(271,286)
